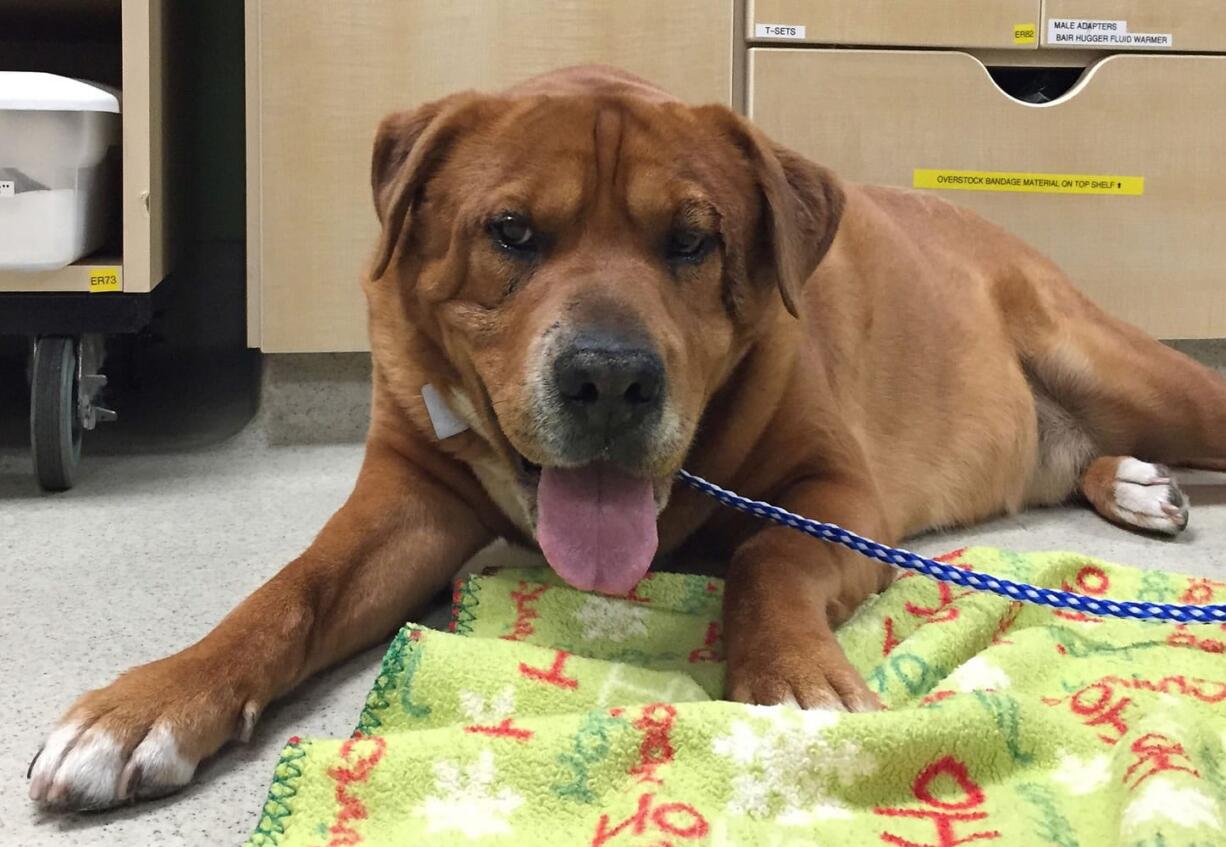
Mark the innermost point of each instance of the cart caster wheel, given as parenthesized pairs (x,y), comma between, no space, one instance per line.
(55,427)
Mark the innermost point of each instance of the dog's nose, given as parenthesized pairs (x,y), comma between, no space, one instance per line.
(608,383)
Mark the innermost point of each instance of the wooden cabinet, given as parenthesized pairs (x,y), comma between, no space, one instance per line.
(321,74)
(1150,248)
(123,45)
(911,23)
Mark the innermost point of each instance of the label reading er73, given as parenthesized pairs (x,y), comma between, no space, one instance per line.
(105,279)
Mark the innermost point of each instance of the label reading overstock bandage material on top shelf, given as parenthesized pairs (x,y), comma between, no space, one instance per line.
(792,31)
(105,279)
(1077,32)
(1119,186)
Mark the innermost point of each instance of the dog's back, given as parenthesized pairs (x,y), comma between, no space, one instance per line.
(981,380)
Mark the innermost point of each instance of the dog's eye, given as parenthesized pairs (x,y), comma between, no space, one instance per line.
(512,232)
(688,245)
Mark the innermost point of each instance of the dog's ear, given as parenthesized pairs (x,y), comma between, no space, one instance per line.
(805,212)
(408,148)
(803,203)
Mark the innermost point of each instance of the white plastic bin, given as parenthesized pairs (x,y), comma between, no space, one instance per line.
(58,163)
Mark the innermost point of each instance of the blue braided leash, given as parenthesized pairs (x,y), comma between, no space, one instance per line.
(907,560)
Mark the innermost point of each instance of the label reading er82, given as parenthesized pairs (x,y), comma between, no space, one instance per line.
(794,31)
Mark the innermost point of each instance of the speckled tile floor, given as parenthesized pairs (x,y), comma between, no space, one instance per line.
(148,551)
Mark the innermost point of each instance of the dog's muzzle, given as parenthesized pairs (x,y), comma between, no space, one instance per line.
(599,423)
(608,397)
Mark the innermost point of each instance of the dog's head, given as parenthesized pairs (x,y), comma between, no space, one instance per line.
(585,260)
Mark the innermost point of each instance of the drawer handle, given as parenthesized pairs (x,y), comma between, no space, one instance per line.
(1035,85)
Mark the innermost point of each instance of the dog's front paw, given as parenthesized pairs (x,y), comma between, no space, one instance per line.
(142,736)
(810,674)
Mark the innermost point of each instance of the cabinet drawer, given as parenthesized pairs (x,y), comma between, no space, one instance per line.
(1150,249)
(1184,25)
(913,23)
(320,76)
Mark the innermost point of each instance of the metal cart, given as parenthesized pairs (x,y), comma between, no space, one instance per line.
(67,333)
(68,313)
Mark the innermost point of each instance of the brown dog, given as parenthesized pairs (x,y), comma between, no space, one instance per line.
(584,285)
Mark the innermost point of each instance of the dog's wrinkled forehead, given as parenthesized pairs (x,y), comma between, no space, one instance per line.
(613,166)
(563,155)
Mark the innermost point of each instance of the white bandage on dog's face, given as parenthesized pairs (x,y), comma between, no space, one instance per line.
(446,423)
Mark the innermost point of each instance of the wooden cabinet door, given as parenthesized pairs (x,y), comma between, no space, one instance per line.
(1150,248)
(321,74)
(905,23)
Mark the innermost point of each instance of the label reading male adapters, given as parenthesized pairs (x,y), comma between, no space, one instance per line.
(1121,186)
(1076,32)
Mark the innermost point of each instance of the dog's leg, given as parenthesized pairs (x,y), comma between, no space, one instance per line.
(787,592)
(396,541)
(1123,397)
(1135,494)
(1132,395)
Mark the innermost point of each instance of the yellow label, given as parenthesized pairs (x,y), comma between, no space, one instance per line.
(1122,186)
(105,279)
(1025,33)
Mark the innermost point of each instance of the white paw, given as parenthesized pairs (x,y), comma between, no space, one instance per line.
(88,768)
(1146,496)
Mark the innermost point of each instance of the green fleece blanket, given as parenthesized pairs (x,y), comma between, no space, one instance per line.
(553,717)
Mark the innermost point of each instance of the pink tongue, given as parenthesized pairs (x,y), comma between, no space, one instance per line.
(596,526)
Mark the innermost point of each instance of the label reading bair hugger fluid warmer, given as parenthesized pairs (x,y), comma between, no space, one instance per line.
(1078,32)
